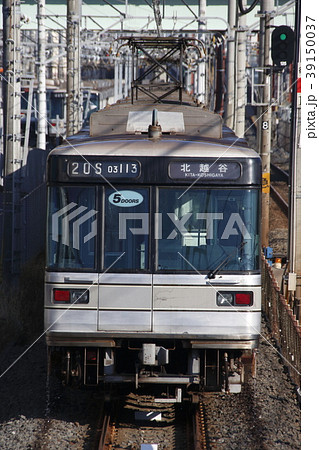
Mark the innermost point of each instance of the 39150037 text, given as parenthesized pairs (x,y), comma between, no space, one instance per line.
(310,75)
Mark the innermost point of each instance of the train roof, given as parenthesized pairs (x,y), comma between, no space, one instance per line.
(173,119)
(187,130)
(142,146)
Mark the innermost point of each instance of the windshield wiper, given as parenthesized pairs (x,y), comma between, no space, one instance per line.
(212,273)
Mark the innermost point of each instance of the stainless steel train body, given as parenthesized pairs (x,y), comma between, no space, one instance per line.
(153,252)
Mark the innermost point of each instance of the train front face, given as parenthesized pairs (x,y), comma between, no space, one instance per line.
(153,263)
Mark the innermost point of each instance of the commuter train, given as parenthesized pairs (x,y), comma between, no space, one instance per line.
(153,251)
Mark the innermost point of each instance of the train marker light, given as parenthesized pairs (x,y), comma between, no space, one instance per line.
(282,46)
(243,298)
(61,295)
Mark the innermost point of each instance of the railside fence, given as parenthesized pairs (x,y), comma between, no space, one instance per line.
(284,326)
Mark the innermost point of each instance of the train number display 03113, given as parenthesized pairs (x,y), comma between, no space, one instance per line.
(110,169)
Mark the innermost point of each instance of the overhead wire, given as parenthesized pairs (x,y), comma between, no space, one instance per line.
(246,10)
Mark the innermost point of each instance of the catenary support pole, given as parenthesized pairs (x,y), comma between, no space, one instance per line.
(230,66)
(42,104)
(74,104)
(126,75)
(241,81)
(201,70)
(267,11)
(116,78)
(12,136)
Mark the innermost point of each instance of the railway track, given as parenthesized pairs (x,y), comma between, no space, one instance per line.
(138,420)
(281,202)
(277,189)
(182,426)
(278,174)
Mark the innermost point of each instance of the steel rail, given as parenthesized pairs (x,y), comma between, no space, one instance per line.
(282,174)
(108,432)
(200,439)
(283,205)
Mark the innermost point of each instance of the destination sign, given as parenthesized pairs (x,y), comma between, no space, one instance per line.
(104,169)
(216,170)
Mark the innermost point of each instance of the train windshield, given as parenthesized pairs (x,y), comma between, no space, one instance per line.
(164,229)
(72,228)
(199,229)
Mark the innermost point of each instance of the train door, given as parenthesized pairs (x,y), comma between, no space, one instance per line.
(125,283)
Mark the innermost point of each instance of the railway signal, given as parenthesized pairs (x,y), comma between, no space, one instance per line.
(282,46)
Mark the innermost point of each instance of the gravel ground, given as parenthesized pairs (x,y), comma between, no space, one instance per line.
(278,228)
(264,416)
(36,416)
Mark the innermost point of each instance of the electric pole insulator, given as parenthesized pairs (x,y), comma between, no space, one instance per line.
(282,46)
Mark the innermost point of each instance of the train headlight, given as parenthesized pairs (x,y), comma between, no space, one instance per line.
(225,298)
(79,296)
(71,296)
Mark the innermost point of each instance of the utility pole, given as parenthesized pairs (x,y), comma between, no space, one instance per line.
(74,104)
(201,70)
(230,65)
(12,135)
(267,11)
(42,105)
(241,76)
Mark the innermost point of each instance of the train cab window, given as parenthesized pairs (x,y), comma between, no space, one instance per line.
(72,222)
(198,229)
(126,238)
(56,104)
